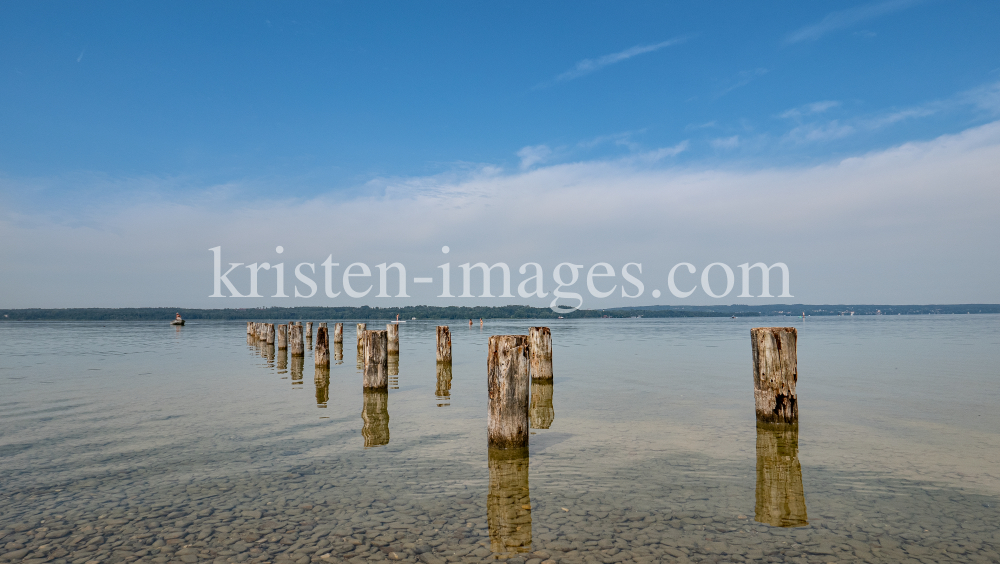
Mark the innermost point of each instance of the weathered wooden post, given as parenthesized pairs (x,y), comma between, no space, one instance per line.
(248,327)
(376,374)
(375,417)
(541,411)
(540,348)
(775,372)
(508,504)
(309,329)
(338,353)
(322,381)
(295,342)
(281,336)
(443,389)
(443,344)
(507,381)
(362,327)
(781,501)
(322,349)
(338,333)
(393,331)
(270,333)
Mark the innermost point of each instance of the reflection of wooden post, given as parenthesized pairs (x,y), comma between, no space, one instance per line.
(338,333)
(322,349)
(362,327)
(270,333)
(309,329)
(508,505)
(443,391)
(376,360)
(295,341)
(393,330)
(282,360)
(338,353)
(375,415)
(781,501)
(541,412)
(298,362)
(775,372)
(322,381)
(540,345)
(281,336)
(443,344)
(507,382)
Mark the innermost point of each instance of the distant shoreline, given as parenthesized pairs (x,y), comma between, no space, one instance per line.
(500,312)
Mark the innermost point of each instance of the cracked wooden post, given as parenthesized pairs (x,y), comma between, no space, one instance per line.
(507,382)
(281,337)
(393,330)
(775,372)
(338,333)
(295,341)
(270,333)
(362,327)
(322,348)
(443,390)
(376,371)
(309,330)
(443,344)
(540,348)
(780,498)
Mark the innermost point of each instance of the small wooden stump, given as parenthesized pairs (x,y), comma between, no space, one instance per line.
(375,416)
(362,327)
(507,382)
(775,372)
(281,336)
(781,501)
(540,346)
(270,333)
(443,344)
(443,390)
(338,353)
(309,330)
(376,375)
(393,331)
(508,503)
(322,349)
(248,327)
(338,333)
(295,341)
(541,412)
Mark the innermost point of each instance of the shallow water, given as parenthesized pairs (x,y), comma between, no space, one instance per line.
(139,441)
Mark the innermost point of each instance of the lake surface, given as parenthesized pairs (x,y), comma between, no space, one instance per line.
(125,442)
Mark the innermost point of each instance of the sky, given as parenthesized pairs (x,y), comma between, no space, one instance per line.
(856,143)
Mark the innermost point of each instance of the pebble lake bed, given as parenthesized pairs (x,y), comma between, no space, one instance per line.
(142,442)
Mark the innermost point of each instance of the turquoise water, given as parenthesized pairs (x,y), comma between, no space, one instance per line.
(145,442)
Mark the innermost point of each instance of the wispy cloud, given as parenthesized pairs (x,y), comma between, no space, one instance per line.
(809,109)
(533,155)
(587,66)
(846,18)
(726,142)
(742,79)
(80,58)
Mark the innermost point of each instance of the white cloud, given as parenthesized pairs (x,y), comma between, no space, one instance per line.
(587,66)
(846,18)
(530,156)
(726,142)
(809,109)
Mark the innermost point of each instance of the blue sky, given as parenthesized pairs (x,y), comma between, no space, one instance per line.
(116,109)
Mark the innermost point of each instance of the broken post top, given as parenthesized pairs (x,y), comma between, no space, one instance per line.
(775,373)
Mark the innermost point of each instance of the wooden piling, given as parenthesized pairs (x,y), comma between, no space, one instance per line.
(375,417)
(376,371)
(338,333)
(270,333)
(541,413)
(296,345)
(362,327)
(775,373)
(338,353)
(540,348)
(507,381)
(281,336)
(780,499)
(309,330)
(393,332)
(443,344)
(321,351)
(508,503)
(248,327)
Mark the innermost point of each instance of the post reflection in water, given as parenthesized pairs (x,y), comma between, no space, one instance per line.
(282,364)
(393,365)
(540,412)
(508,505)
(361,358)
(375,415)
(338,353)
(781,501)
(297,364)
(269,355)
(322,380)
(443,391)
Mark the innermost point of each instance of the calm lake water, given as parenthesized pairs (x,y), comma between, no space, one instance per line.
(125,442)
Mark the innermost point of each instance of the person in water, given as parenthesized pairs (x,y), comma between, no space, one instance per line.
(480,322)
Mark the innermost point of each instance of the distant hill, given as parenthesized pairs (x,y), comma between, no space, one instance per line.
(499,312)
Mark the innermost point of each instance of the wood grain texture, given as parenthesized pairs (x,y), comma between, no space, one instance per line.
(443,343)
(338,333)
(322,348)
(507,382)
(508,503)
(309,330)
(376,359)
(780,499)
(295,344)
(362,327)
(270,333)
(442,390)
(393,331)
(281,336)
(540,348)
(775,373)
(541,413)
